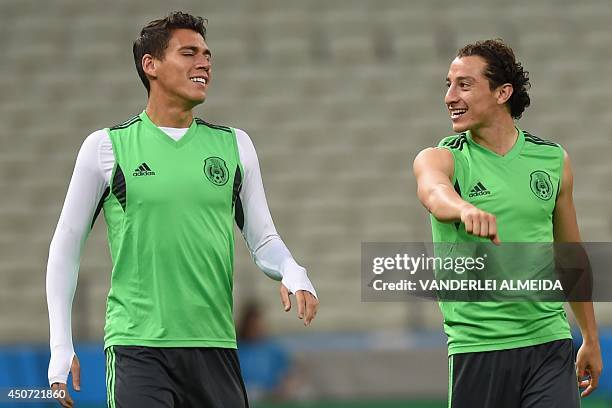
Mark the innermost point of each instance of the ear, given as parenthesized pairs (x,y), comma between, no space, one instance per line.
(504,92)
(148,65)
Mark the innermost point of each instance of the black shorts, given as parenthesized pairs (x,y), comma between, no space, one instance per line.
(542,376)
(181,377)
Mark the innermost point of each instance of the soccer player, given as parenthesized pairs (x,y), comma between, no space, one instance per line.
(494,181)
(171,187)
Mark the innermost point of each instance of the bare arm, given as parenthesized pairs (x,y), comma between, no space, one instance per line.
(433,169)
(588,360)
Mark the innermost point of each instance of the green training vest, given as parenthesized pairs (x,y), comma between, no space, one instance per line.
(520,189)
(170,215)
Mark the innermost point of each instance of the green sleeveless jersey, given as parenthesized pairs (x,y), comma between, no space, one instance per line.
(520,189)
(170,215)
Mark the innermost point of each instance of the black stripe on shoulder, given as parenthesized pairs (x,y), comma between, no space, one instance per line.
(127,123)
(450,141)
(539,141)
(457,142)
(202,122)
(119,189)
(463,140)
(100,204)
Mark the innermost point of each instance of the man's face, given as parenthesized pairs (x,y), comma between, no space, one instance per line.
(186,69)
(470,101)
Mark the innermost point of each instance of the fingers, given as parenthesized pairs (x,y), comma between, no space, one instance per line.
(587,383)
(301,303)
(493,232)
(307,304)
(476,224)
(590,387)
(484,228)
(66,400)
(492,226)
(468,224)
(590,383)
(595,373)
(75,369)
(481,224)
(312,306)
(285,300)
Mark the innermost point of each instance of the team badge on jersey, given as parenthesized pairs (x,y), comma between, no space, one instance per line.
(216,171)
(541,185)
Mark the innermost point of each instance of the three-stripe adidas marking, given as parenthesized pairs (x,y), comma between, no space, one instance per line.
(143,170)
(478,190)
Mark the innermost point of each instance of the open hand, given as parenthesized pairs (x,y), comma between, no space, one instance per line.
(307,304)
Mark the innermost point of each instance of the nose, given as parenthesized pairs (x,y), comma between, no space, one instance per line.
(204,63)
(451,95)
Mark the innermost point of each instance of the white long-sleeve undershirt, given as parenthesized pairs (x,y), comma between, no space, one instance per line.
(91,177)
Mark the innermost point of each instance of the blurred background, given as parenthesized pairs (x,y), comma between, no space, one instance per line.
(338,96)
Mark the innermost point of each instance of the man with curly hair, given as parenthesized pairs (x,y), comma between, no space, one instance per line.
(479,186)
(171,186)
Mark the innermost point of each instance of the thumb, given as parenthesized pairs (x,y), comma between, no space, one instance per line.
(75,370)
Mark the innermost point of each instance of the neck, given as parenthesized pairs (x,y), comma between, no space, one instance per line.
(499,136)
(166,113)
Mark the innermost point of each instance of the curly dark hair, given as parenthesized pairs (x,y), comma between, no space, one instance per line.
(154,37)
(502,68)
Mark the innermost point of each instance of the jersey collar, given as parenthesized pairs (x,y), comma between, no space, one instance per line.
(515,151)
(160,134)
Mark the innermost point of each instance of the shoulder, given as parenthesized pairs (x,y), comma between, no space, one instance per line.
(96,141)
(96,137)
(222,128)
(243,138)
(444,154)
(535,141)
(454,142)
(125,124)
(246,149)
(445,150)
(96,153)
(434,159)
(539,148)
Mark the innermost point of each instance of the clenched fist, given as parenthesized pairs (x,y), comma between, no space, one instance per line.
(479,223)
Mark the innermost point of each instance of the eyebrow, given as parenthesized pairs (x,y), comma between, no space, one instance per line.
(463,78)
(195,49)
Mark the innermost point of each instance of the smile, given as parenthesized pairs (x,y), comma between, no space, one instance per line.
(201,80)
(457,113)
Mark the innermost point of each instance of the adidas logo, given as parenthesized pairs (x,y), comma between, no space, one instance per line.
(478,190)
(143,170)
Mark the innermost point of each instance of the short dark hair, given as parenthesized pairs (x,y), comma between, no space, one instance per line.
(502,68)
(154,37)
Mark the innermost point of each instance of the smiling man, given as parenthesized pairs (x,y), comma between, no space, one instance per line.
(494,181)
(171,187)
